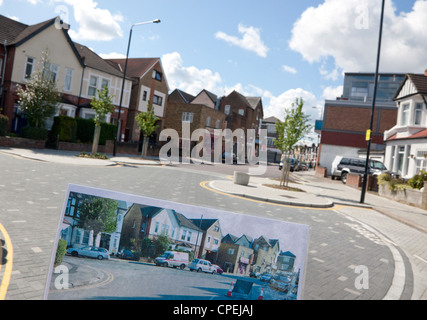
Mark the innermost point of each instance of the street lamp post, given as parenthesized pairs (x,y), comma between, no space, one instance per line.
(369,132)
(124,79)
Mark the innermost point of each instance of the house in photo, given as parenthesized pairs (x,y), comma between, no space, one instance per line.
(286,261)
(212,236)
(235,254)
(21,55)
(406,141)
(149,84)
(265,255)
(346,119)
(151,222)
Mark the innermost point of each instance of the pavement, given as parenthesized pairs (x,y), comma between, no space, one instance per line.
(313,191)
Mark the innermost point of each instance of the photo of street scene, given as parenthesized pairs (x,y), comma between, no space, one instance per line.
(119,246)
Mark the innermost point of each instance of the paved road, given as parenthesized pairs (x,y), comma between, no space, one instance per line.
(32,195)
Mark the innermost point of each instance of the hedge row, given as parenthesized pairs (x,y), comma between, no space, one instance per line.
(4,122)
(80,130)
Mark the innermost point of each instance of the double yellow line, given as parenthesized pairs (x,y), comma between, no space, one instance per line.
(8,267)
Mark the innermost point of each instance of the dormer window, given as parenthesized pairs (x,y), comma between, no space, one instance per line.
(157,75)
(404,121)
(418,113)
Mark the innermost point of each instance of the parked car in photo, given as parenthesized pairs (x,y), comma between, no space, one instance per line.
(217,269)
(201,265)
(172,259)
(342,166)
(125,254)
(266,277)
(90,252)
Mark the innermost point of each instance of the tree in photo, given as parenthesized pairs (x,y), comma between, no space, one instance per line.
(102,103)
(147,121)
(39,96)
(294,127)
(98,215)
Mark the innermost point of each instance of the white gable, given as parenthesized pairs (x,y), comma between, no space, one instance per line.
(407,89)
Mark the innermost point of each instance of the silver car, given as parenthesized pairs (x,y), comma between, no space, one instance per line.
(90,252)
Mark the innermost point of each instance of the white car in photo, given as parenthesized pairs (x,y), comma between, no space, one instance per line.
(90,252)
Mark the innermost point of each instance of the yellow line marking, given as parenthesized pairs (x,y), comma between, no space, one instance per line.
(8,269)
(203,184)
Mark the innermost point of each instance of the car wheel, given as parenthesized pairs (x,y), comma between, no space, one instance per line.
(165,264)
(182,266)
(74,253)
(100,257)
(344,177)
(199,270)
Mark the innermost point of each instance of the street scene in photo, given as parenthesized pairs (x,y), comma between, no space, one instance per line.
(121,246)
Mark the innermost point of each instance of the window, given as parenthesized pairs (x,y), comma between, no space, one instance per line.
(29,68)
(105,83)
(157,100)
(359,92)
(157,75)
(400,159)
(227,109)
(230,251)
(156,229)
(421,161)
(92,86)
(405,115)
(242,112)
(271,128)
(189,236)
(1,68)
(187,117)
(54,70)
(418,113)
(68,80)
(184,233)
(208,121)
(217,124)
(144,96)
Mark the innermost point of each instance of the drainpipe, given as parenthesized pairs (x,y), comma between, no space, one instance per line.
(3,72)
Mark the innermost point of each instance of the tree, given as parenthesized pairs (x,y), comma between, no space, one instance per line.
(102,103)
(39,97)
(147,121)
(99,215)
(290,131)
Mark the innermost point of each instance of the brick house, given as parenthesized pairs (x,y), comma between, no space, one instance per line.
(235,254)
(406,141)
(265,254)
(212,236)
(200,112)
(346,119)
(149,84)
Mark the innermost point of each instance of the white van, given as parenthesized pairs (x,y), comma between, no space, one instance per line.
(172,259)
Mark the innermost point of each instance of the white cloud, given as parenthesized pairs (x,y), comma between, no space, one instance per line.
(112,55)
(347,32)
(251,40)
(93,22)
(331,93)
(289,69)
(189,79)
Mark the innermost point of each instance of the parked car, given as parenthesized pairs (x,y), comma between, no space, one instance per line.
(341,167)
(266,277)
(292,161)
(228,155)
(201,265)
(217,269)
(172,259)
(126,254)
(90,252)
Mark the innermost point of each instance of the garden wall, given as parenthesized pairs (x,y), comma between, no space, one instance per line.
(414,197)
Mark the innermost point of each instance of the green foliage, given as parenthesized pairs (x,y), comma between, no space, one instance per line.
(60,252)
(39,97)
(102,103)
(99,215)
(417,181)
(34,133)
(293,128)
(65,127)
(147,121)
(4,123)
(86,127)
(384,178)
(161,244)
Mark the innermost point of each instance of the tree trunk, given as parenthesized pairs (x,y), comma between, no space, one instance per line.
(96,140)
(145,146)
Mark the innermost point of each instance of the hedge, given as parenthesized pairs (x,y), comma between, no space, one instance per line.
(34,133)
(4,122)
(64,127)
(60,252)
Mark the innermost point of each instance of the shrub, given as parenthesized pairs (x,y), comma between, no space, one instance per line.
(417,181)
(34,133)
(65,128)
(384,178)
(4,122)
(86,129)
(60,252)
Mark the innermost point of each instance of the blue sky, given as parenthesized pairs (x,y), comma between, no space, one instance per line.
(276,49)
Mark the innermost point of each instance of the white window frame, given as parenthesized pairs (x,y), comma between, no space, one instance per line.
(227,109)
(68,79)
(187,117)
(54,71)
(158,100)
(418,113)
(208,121)
(105,82)
(32,65)
(405,115)
(92,86)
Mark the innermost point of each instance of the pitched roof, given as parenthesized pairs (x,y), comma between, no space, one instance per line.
(270,119)
(418,80)
(136,67)
(91,59)
(419,135)
(10,29)
(213,97)
(203,224)
(178,94)
(184,222)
